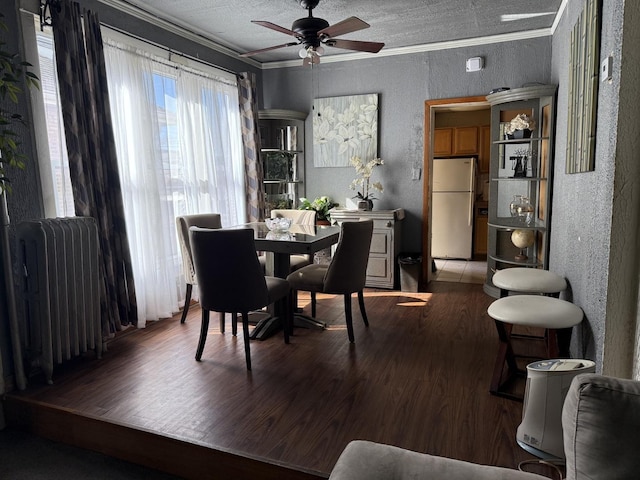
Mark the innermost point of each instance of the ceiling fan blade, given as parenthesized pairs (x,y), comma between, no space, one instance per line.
(351,24)
(262,50)
(275,27)
(373,47)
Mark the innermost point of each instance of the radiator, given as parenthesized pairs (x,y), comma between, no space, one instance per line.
(61,291)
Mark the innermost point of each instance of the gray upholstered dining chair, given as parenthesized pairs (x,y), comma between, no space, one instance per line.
(345,274)
(183,223)
(230,279)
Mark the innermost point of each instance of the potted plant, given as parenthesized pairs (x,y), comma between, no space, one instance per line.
(362,183)
(321,205)
(12,71)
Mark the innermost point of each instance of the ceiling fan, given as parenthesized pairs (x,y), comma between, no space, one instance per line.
(312,32)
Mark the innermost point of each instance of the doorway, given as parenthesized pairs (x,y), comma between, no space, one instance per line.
(450,114)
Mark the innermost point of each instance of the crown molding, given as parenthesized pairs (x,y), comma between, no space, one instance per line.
(197,37)
(428,47)
(556,20)
(202,38)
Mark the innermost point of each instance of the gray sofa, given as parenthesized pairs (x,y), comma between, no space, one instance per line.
(601,427)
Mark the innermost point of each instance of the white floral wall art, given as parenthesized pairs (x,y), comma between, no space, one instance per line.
(345,127)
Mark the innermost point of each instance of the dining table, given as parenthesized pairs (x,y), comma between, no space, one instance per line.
(278,247)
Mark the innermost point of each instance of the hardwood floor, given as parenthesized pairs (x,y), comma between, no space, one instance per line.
(417,378)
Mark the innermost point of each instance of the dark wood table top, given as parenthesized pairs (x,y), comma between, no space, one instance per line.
(300,239)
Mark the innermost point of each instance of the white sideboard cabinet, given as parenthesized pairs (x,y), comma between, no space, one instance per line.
(385,243)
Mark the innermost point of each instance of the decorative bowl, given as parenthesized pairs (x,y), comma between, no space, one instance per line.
(279,224)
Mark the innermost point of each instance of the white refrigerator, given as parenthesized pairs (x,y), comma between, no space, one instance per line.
(452,199)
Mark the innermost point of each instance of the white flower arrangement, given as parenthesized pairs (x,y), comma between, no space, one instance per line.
(521,122)
(362,184)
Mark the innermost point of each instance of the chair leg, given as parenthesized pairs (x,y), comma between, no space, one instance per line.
(347,316)
(234,324)
(245,334)
(313,304)
(204,328)
(187,301)
(362,310)
(221,322)
(293,308)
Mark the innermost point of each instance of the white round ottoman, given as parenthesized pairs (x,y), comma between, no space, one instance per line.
(556,316)
(528,280)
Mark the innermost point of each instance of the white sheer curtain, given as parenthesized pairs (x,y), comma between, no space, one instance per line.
(180,152)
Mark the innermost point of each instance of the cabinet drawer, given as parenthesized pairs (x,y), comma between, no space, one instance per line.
(380,224)
(378,268)
(380,242)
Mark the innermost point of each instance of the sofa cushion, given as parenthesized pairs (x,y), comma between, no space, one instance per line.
(601,428)
(363,460)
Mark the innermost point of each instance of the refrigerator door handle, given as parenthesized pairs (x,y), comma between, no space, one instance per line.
(472,177)
(470,219)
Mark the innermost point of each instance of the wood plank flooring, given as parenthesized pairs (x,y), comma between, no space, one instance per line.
(417,378)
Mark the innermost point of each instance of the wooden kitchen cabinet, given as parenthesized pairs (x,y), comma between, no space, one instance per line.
(455,141)
(442,141)
(385,243)
(465,141)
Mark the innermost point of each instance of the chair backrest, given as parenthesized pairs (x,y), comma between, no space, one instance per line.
(347,270)
(229,275)
(298,217)
(601,428)
(183,223)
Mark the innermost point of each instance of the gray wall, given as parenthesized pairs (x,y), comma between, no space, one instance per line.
(404,83)
(595,215)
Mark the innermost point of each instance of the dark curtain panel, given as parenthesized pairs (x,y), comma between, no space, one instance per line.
(92,155)
(251,143)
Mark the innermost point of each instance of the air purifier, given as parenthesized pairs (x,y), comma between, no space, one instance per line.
(548,381)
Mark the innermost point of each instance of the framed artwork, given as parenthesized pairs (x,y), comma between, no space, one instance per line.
(584,69)
(344,127)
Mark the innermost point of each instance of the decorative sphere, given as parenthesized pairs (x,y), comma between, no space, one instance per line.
(523,238)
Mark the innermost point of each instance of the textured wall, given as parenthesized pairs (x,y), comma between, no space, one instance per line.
(404,83)
(595,220)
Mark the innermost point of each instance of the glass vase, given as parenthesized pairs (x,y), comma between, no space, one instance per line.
(513,206)
(525,210)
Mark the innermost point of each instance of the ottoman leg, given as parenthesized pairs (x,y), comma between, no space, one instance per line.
(505,355)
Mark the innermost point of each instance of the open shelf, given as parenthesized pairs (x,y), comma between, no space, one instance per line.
(533,155)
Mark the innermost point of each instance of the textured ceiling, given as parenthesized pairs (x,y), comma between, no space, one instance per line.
(397,23)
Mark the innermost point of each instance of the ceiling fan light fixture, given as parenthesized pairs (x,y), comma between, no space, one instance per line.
(312,31)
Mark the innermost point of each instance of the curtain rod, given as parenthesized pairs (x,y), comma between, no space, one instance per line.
(170,50)
(45,20)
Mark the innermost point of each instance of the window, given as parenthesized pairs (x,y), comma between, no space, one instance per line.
(179,148)
(63,195)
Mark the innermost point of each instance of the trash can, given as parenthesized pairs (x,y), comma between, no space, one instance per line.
(410,271)
(548,381)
